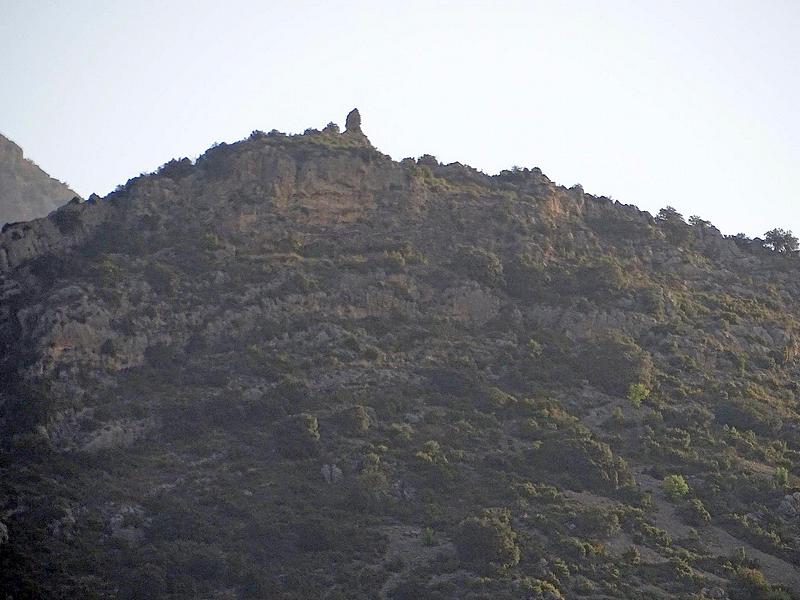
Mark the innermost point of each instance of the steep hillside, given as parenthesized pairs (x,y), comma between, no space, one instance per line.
(299,369)
(26,192)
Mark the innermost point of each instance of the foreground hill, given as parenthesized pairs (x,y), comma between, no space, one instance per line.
(26,192)
(299,369)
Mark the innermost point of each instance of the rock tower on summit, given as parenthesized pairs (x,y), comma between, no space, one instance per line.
(353,126)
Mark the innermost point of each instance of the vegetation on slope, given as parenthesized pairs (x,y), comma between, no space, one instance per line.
(299,369)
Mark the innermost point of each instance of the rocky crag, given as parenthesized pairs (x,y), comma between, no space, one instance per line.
(297,368)
(26,192)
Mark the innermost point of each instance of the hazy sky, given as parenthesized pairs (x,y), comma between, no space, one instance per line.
(652,102)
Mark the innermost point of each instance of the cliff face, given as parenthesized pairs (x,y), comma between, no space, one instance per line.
(297,368)
(26,192)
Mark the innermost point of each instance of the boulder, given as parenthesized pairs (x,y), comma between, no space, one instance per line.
(331,473)
(790,506)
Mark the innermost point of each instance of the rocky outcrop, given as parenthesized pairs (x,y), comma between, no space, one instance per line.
(353,123)
(300,178)
(26,192)
(790,506)
(353,128)
(70,225)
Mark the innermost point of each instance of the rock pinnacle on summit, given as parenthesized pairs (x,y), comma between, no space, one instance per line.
(353,122)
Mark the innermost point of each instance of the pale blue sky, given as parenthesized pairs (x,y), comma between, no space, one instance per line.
(687,103)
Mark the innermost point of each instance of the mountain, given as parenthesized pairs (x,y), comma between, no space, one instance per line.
(26,192)
(296,368)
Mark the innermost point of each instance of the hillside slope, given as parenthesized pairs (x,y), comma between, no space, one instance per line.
(299,369)
(26,192)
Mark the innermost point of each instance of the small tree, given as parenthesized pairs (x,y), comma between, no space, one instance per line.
(675,487)
(750,584)
(353,420)
(673,225)
(696,513)
(669,213)
(371,487)
(741,240)
(696,221)
(781,478)
(638,393)
(780,241)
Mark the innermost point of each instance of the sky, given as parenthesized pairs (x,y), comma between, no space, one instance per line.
(692,104)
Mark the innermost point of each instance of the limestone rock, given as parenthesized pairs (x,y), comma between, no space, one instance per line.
(126,524)
(790,506)
(331,473)
(26,191)
(353,130)
(353,123)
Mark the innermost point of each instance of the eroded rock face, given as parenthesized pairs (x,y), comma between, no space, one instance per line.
(26,192)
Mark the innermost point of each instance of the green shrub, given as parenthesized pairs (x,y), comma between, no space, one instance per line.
(614,362)
(781,478)
(750,584)
(597,523)
(540,492)
(539,589)
(603,279)
(401,431)
(675,487)
(487,542)
(479,264)
(429,537)
(353,420)
(498,400)
(371,488)
(696,513)
(432,453)
(586,462)
(675,229)
(297,436)
(617,418)
(67,220)
(525,278)
(632,555)
(638,393)
(749,414)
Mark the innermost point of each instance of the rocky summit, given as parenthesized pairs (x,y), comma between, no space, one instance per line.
(296,368)
(26,192)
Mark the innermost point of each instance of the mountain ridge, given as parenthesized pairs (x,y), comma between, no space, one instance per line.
(13,254)
(297,368)
(26,191)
